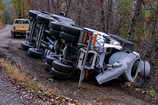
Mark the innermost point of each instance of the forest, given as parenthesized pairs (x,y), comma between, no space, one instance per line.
(128,18)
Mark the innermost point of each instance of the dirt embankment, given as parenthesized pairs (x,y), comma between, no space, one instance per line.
(114,93)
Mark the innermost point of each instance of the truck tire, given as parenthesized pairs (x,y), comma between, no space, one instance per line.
(34,13)
(35,53)
(50,59)
(60,75)
(26,45)
(62,67)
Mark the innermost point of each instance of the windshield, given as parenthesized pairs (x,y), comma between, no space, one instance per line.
(21,22)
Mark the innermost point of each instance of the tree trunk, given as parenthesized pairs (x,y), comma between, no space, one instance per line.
(137,6)
(154,37)
(68,5)
(49,5)
(109,17)
(102,19)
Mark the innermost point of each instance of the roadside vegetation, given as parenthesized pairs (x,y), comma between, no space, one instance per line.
(1,13)
(15,74)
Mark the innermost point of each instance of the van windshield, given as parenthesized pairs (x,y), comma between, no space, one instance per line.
(21,22)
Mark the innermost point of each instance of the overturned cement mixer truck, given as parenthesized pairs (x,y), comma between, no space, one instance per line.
(69,49)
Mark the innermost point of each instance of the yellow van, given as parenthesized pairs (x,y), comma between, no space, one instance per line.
(20,27)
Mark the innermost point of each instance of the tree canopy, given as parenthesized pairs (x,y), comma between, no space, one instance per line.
(1,6)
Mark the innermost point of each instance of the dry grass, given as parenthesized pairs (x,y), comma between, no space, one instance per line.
(13,71)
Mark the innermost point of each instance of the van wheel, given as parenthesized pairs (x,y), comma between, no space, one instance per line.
(13,35)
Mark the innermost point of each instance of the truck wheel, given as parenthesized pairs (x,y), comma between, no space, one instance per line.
(50,59)
(60,75)
(61,71)
(62,67)
(26,45)
(35,53)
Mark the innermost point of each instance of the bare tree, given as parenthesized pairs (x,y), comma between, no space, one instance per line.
(106,18)
(68,5)
(137,6)
(109,17)
(154,35)
(102,18)
(49,5)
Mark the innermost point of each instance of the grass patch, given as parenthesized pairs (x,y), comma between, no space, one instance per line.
(15,73)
